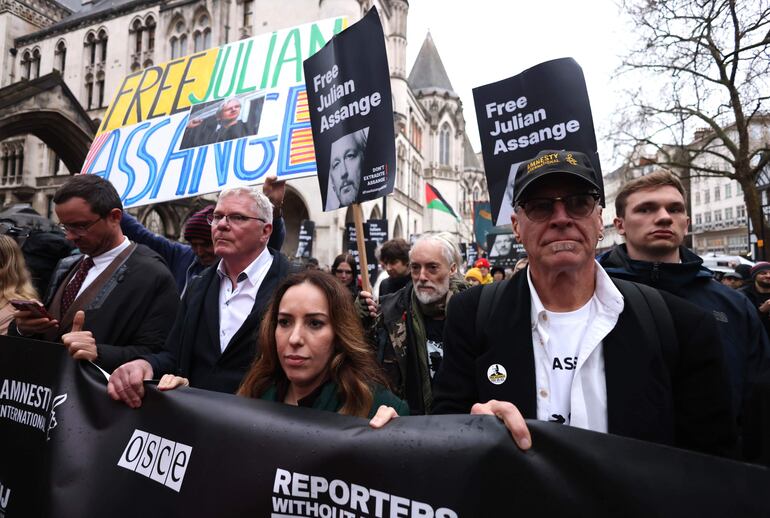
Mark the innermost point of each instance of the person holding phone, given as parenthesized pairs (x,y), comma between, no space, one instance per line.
(15,282)
(114,301)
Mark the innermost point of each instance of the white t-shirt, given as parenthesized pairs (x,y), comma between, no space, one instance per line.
(565,334)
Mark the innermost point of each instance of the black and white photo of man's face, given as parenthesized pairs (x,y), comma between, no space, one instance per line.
(503,245)
(346,163)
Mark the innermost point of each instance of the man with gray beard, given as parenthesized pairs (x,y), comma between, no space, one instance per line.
(407,328)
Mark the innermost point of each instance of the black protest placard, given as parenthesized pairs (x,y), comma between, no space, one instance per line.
(504,250)
(305,242)
(351,113)
(375,233)
(544,107)
(190,452)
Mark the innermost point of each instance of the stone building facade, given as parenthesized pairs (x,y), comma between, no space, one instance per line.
(93,44)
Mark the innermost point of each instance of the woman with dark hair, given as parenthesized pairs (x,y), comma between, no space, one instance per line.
(313,354)
(345,269)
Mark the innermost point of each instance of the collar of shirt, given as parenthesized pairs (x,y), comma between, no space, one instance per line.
(101,261)
(610,301)
(254,272)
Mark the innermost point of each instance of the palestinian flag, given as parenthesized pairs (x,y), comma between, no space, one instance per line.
(434,200)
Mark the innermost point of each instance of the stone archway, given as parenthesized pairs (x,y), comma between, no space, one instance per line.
(46,108)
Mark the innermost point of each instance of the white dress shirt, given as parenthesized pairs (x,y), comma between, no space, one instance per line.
(101,262)
(236,304)
(587,405)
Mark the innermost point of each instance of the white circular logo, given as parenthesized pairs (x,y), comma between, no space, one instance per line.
(496,374)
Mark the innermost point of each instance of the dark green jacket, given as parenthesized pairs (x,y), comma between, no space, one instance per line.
(329,401)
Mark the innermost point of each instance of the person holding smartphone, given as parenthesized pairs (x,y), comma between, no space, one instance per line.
(114,301)
(15,282)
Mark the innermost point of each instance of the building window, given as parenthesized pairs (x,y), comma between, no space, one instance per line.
(26,64)
(741,211)
(697,198)
(60,56)
(706,196)
(248,13)
(142,35)
(729,215)
(150,25)
(728,191)
(102,46)
(718,215)
(12,162)
(401,172)
(698,219)
(179,41)
(717,193)
(100,89)
(30,64)
(444,145)
(90,92)
(91,48)
(415,181)
(415,135)
(707,217)
(202,34)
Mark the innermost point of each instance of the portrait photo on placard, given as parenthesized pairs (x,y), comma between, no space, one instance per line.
(346,165)
(222,120)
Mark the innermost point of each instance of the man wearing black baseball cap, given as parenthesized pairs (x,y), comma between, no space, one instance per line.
(563,342)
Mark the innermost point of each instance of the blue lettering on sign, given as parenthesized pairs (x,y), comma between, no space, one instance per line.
(185,156)
(222,151)
(153,170)
(269,154)
(123,164)
(200,161)
(113,140)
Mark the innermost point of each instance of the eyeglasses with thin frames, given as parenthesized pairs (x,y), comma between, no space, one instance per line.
(79,229)
(235,220)
(578,206)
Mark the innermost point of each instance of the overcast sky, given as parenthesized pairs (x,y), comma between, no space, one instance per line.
(487,40)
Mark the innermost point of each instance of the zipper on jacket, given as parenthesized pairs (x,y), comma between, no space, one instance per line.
(655,275)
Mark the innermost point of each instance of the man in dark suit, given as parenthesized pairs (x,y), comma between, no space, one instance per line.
(214,338)
(563,342)
(113,301)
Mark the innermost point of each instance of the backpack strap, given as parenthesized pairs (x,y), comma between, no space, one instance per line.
(653,315)
(490,296)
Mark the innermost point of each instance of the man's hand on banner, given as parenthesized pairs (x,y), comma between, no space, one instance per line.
(384,415)
(275,191)
(510,416)
(31,323)
(127,382)
(80,344)
(170,382)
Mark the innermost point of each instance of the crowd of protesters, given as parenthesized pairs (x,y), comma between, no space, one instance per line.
(642,341)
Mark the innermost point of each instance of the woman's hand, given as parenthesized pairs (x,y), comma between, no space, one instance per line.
(170,382)
(384,415)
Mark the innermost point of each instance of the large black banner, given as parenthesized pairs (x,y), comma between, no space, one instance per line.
(191,453)
(544,107)
(351,113)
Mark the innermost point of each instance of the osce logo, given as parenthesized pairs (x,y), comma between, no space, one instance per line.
(157,458)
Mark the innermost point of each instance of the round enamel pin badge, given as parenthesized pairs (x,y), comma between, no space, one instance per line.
(496,374)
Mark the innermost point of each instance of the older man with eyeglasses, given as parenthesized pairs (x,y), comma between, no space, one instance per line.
(116,299)
(565,343)
(214,338)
